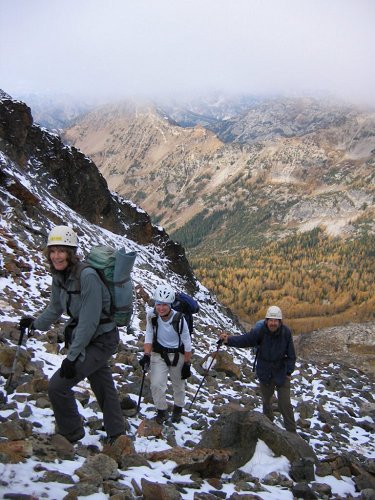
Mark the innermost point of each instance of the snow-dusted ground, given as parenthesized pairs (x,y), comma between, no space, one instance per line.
(23,478)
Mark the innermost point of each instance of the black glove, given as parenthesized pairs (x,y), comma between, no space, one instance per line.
(68,368)
(26,323)
(185,371)
(145,362)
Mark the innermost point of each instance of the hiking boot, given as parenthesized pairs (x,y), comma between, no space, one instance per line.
(112,439)
(75,436)
(161,416)
(176,415)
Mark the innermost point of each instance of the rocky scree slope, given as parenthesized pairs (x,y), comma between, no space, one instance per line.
(203,456)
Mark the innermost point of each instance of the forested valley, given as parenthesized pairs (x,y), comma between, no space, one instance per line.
(317,280)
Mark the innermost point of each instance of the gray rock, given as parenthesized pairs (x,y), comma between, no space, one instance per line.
(239,431)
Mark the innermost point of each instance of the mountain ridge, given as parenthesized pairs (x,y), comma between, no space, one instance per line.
(328,151)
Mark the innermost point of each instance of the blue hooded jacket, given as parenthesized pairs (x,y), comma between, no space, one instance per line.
(276,357)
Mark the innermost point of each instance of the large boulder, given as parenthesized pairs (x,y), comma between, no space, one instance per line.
(238,431)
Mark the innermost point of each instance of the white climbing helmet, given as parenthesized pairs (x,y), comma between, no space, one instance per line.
(164,293)
(62,236)
(274,312)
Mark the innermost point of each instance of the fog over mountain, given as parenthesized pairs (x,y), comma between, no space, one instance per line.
(167,48)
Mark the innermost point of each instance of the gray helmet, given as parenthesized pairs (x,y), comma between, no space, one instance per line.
(164,293)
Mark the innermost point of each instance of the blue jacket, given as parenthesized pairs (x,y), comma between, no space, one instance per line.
(276,356)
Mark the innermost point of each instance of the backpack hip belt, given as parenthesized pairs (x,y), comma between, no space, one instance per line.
(165,351)
(169,350)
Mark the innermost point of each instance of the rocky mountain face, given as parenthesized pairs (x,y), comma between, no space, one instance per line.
(143,154)
(43,183)
(281,165)
(72,178)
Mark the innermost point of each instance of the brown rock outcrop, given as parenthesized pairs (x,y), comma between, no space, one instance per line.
(350,345)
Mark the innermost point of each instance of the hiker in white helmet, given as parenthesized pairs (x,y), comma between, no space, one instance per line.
(91,337)
(275,361)
(167,349)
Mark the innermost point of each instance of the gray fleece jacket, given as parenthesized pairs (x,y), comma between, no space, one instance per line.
(88,307)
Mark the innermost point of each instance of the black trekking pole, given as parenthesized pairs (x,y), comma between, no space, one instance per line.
(7,386)
(219,344)
(140,392)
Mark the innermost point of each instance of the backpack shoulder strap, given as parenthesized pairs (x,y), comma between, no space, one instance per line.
(79,268)
(154,322)
(261,336)
(177,322)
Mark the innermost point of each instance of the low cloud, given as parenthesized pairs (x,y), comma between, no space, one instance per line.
(124,47)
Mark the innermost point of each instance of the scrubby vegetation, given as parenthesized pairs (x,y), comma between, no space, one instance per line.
(317,280)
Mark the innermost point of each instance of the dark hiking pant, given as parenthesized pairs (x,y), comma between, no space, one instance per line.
(283,402)
(95,368)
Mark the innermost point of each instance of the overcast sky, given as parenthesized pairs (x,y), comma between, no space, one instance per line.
(152,47)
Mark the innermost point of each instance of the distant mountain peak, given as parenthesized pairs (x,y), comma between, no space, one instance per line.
(296,148)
